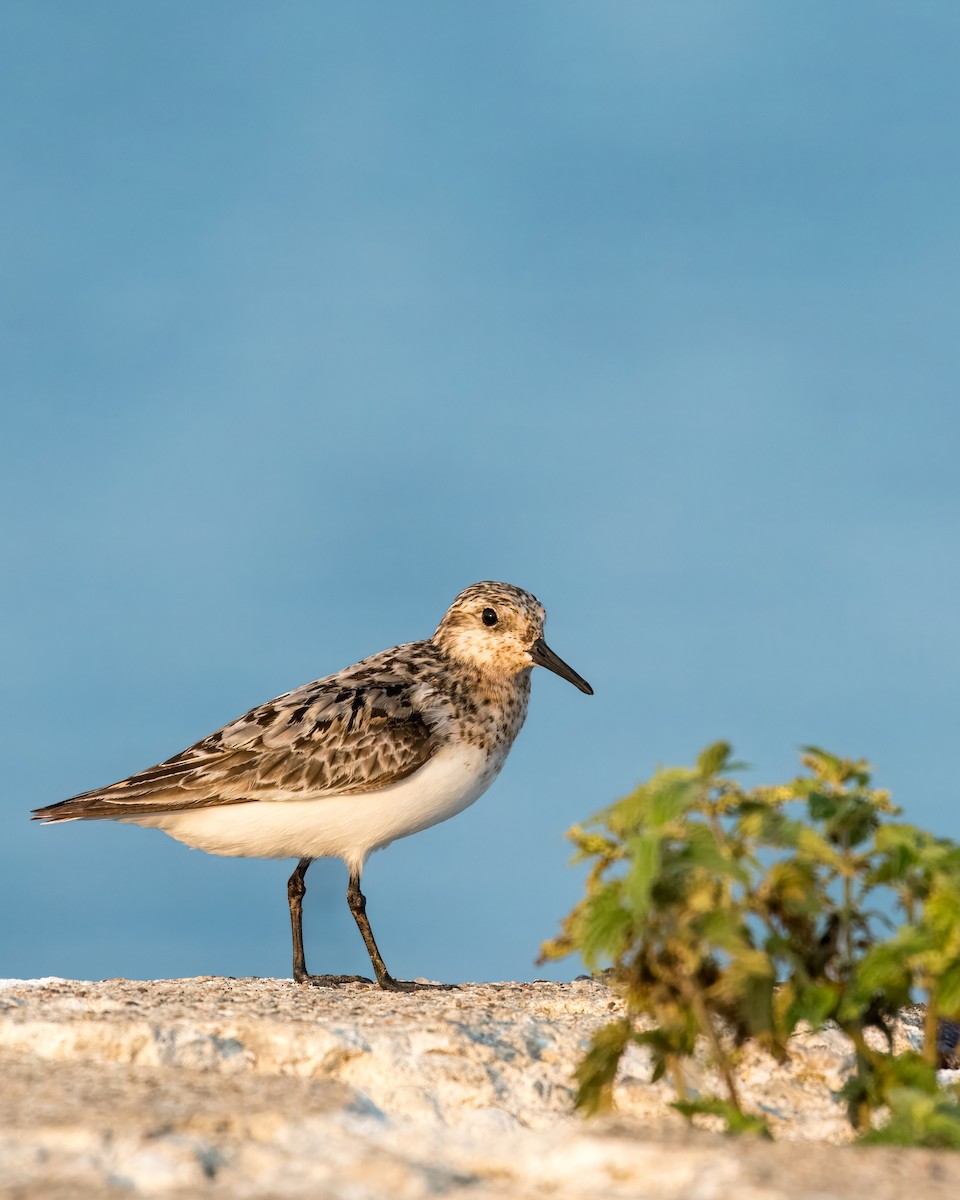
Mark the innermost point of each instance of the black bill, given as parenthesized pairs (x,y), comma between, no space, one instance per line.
(543,656)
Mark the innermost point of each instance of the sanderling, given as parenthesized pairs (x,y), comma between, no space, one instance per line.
(345,765)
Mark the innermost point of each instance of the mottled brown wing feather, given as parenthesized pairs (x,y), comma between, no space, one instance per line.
(329,737)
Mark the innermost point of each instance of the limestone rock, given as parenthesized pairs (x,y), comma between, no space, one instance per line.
(257,1087)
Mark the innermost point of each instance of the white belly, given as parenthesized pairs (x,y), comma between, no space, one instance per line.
(347,827)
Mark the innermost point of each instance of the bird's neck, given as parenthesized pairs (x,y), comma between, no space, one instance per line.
(492,703)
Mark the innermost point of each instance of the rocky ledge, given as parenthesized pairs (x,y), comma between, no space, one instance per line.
(257,1087)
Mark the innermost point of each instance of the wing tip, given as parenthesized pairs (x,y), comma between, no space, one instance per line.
(49,814)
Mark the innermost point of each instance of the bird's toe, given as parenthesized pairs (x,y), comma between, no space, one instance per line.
(331,980)
(389,984)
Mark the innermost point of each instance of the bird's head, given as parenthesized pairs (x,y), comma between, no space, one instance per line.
(499,628)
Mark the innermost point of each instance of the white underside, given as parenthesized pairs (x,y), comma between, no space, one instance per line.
(347,827)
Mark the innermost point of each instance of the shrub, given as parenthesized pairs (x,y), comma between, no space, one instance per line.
(732,914)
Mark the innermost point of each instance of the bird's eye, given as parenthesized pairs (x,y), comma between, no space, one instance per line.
(489,617)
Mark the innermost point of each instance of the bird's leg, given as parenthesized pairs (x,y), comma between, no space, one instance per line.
(296,890)
(358,906)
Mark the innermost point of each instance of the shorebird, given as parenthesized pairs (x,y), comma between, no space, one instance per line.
(344,766)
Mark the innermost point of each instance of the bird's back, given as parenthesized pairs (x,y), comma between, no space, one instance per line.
(360,730)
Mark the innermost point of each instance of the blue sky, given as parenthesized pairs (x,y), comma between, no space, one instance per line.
(314,314)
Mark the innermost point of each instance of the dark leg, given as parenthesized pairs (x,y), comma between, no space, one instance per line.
(296,890)
(358,906)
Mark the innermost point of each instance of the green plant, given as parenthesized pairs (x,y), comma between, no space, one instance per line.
(737,914)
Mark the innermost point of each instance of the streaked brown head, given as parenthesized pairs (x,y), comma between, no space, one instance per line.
(499,628)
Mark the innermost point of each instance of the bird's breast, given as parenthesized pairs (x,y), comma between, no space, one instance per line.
(490,713)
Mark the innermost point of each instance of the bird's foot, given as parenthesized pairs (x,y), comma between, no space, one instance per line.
(331,980)
(389,984)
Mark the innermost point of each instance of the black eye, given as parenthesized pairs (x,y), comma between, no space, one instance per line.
(489,617)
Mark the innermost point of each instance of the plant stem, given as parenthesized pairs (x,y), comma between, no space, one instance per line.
(723,1062)
(676,1074)
(931,1026)
(847,923)
(864,1070)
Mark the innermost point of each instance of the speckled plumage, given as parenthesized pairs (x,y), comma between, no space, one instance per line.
(344,765)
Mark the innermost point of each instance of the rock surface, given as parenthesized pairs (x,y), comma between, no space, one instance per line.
(257,1087)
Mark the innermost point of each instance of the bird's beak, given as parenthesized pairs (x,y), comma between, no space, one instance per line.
(543,656)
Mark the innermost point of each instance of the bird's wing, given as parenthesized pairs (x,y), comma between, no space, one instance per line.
(329,737)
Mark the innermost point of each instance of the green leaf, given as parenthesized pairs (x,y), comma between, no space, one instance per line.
(597,1071)
(947,992)
(644,854)
(735,1120)
(714,759)
(813,1003)
(918,1118)
(811,847)
(722,929)
(942,911)
(790,888)
(708,852)
(748,984)
(822,805)
(774,828)
(886,968)
(908,1070)
(604,925)
(852,822)
(671,794)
